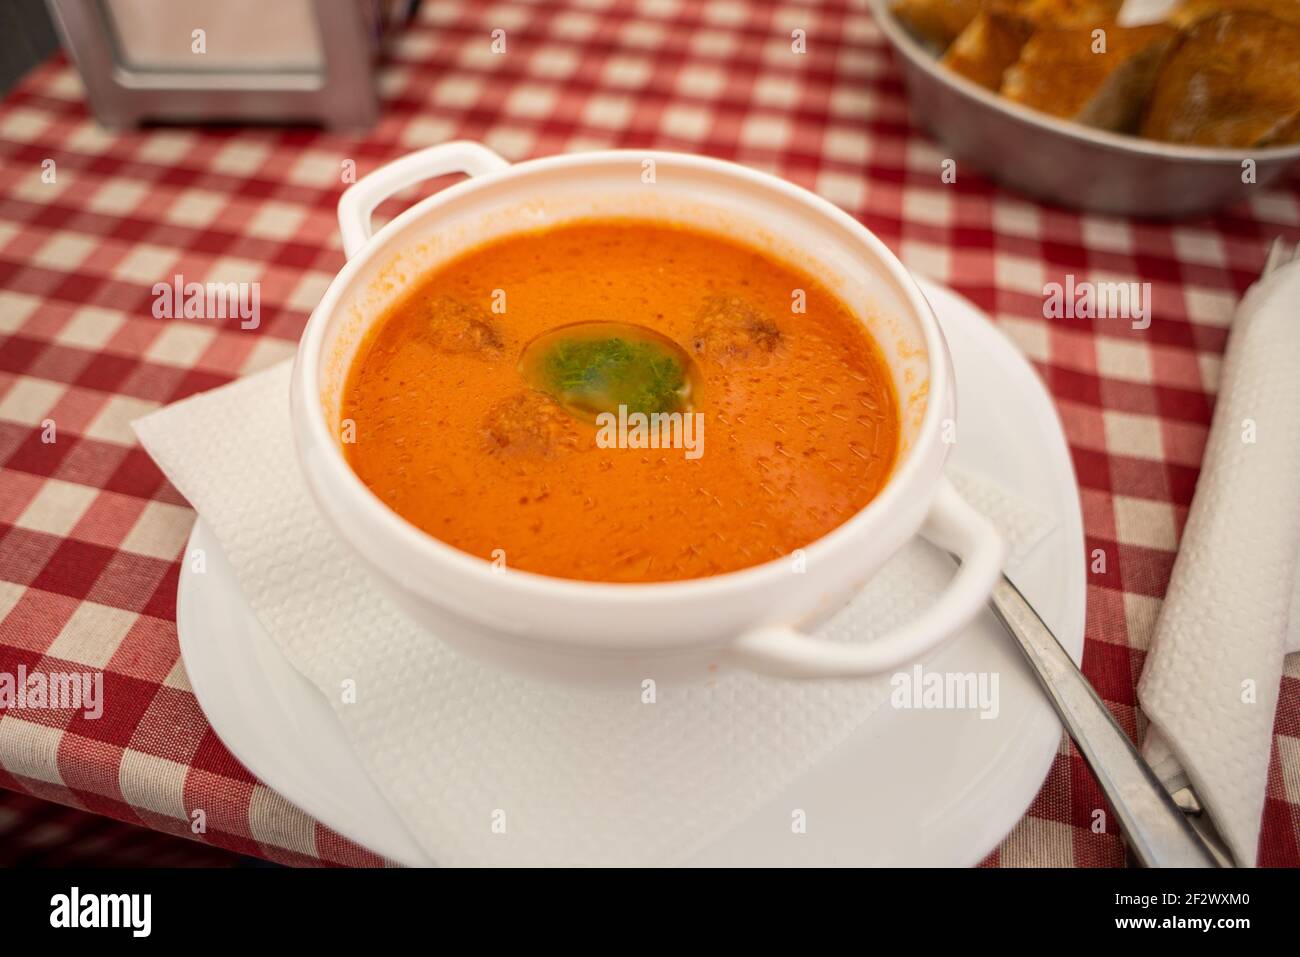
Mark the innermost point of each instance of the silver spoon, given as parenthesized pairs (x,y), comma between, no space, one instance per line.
(1156,828)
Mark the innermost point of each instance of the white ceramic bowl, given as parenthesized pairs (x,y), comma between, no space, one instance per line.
(586,631)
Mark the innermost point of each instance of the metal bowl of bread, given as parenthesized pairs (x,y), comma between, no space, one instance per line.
(1159,108)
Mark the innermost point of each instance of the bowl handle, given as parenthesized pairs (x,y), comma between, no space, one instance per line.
(359,201)
(952,525)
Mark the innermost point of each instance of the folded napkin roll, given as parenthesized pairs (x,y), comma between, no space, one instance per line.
(1210,685)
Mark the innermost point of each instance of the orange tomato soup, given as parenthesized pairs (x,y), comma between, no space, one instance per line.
(800,420)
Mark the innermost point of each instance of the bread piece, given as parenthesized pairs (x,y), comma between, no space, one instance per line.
(1285,132)
(1063,13)
(1189,11)
(1059,73)
(940,22)
(988,45)
(1233,79)
(937,21)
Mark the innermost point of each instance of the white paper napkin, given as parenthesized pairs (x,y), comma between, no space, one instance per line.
(1210,685)
(577,777)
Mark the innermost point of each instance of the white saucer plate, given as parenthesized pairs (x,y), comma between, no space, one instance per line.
(908,787)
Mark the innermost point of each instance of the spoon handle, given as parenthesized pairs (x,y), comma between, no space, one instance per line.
(1155,827)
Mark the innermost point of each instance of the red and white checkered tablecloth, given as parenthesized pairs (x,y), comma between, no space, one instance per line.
(90,533)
